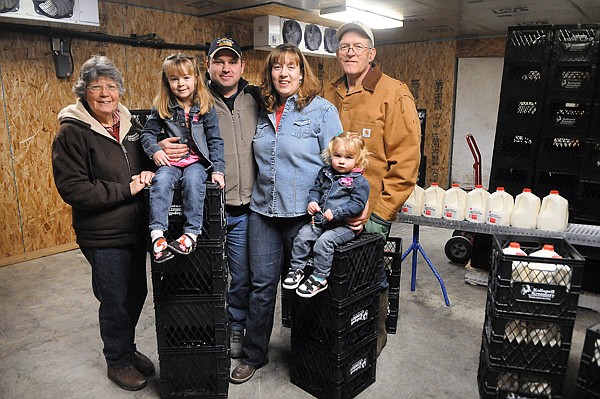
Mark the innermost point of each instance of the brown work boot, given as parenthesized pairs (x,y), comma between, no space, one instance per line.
(143,364)
(241,373)
(126,377)
(381,318)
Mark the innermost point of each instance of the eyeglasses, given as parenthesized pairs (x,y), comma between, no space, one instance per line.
(358,48)
(98,88)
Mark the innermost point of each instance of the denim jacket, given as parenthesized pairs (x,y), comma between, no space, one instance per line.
(204,131)
(289,160)
(346,194)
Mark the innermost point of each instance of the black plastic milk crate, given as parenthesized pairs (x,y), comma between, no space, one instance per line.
(594,132)
(356,267)
(194,373)
(392,260)
(327,375)
(512,149)
(576,44)
(587,202)
(524,79)
(504,383)
(513,178)
(214,226)
(199,323)
(528,45)
(590,162)
(588,378)
(518,290)
(527,344)
(140,115)
(523,114)
(560,153)
(567,117)
(201,273)
(572,82)
(333,325)
(591,271)
(546,180)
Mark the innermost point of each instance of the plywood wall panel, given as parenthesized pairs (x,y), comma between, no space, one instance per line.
(428,69)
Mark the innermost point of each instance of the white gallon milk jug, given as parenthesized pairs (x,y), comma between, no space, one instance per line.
(432,201)
(554,213)
(514,248)
(526,209)
(454,203)
(549,273)
(519,268)
(499,207)
(414,203)
(476,203)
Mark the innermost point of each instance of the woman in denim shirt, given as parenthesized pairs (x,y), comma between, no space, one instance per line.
(294,127)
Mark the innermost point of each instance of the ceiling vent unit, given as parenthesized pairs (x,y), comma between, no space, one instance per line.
(50,12)
(271,31)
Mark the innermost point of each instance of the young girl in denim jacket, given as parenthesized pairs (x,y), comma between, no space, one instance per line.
(340,191)
(183,108)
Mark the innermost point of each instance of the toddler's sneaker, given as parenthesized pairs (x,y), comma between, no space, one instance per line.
(184,245)
(311,287)
(160,250)
(292,279)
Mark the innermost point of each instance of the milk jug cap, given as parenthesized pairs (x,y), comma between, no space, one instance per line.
(478,186)
(500,189)
(554,192)
(455,185)
(434,184)
(526,190)
(548,247)
(514,244)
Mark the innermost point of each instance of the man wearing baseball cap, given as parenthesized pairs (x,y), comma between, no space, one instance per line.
(382,110)
(237,104)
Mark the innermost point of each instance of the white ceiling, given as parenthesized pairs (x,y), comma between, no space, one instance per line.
(425,20)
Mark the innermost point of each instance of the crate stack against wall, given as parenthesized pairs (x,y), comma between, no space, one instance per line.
(588,378)
(548,129)
(189,302)
(529,320)
(334,334)
(520,110)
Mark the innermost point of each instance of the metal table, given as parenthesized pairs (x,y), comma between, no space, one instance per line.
(578,234)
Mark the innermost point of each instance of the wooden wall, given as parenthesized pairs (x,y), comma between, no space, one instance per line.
(35,221)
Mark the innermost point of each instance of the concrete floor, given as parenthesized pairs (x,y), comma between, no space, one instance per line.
(50,345)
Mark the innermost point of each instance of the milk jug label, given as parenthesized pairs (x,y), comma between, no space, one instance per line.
(450,212)
(429,210)
(495,218)
(475,214)
(407,209)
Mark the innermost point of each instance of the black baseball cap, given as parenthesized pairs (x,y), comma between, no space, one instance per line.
(224,43)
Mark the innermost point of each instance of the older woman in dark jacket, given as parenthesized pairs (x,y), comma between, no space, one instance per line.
(100,169)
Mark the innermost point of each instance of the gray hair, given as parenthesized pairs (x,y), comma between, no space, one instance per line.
(99,66)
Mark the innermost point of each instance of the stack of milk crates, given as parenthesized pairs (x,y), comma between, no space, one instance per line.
(334,333)
(588,378)
(189,302)
(529,319)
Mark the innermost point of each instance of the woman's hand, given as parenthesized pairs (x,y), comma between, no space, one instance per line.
(173,148)
(218,178)
(136,184)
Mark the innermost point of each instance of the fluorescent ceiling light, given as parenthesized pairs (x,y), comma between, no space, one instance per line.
(373,20)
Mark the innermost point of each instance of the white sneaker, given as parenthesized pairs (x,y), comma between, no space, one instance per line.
(292,279)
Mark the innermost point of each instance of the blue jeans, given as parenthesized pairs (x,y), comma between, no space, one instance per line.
(119,284)
(239,270)
(193,191)
(269,246)
(323,243)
